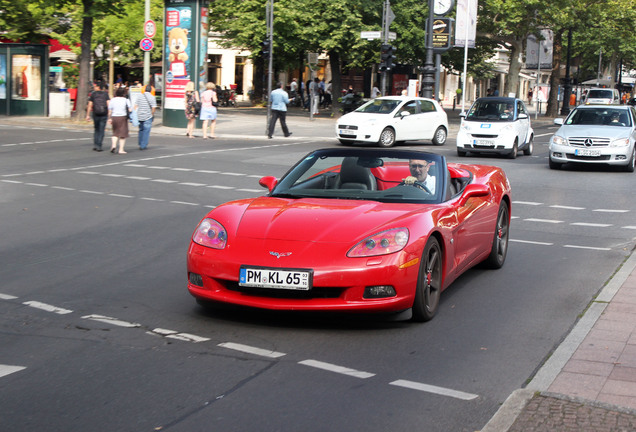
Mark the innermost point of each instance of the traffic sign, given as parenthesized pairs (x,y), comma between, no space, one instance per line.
(146,44)
(370,35)
(150,29)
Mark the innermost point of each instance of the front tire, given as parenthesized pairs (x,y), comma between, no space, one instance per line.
(499,248)
(630,166)
(440,136)
(429,282)
(387,138)
(514,152)
(554,165)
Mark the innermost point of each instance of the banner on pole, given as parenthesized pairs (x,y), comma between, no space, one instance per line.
(466,23)
(539,52)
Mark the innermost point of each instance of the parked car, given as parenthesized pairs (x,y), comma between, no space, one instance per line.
(392,119)
(602,96)
(496,125)
(596,134)
(353,230)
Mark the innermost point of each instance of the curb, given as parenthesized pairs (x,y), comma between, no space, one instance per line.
(517,401)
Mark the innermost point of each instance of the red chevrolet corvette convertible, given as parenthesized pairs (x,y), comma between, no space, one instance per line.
(357,230)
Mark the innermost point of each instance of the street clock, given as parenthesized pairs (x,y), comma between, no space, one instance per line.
(442,7)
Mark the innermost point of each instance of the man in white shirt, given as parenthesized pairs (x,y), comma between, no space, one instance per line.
(419,173)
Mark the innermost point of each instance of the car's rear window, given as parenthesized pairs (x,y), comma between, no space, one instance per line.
(600,94)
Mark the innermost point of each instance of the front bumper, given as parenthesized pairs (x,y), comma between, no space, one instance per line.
(492,143)
(606,155)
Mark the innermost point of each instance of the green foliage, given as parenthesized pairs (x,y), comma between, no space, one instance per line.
(70,74)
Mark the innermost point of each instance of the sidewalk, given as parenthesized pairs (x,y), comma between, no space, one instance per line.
(589,383)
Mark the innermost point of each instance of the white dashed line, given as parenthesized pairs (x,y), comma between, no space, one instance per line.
(630,227)
(120,195)
(337,369)
(47,307)
(587,247)
(567,207)
(610,211)
(532,242)
(588,224)
(7,370)
(7,297)
(552,221)
(530,203)
(251,350)
(186,337)
(113,321)
(435,390)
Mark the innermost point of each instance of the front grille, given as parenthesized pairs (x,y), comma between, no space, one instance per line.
(589,158)
(350,127)
(484,136)
(595,141)
(315,292)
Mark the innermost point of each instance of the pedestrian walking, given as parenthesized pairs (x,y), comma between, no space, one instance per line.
(279,100)
(98,102)
(145,105)
(209,102)
(314,89)
(118,110)
(192,107)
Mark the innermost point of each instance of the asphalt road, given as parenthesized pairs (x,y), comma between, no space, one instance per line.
(99,333)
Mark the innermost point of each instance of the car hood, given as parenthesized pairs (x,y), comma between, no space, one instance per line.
(611,132)
(360,118)
(319,220)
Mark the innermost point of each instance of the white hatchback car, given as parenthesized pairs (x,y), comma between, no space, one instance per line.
(596,134)
(496,125)
(391,119)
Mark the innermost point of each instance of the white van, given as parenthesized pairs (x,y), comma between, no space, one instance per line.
(602,96)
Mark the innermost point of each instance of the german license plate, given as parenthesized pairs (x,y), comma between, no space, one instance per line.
(587,152)
(483,142)
(346,132)
(263,277)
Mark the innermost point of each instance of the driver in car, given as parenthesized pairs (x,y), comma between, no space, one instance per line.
(419,175)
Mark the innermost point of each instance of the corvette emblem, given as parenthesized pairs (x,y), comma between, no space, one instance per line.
(278,254)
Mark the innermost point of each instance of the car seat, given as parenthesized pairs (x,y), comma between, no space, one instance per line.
(354,176)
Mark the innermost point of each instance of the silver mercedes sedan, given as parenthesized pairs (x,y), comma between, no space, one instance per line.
(598,134)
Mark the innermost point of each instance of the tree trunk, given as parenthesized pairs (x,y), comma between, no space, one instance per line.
(512,81)
(85,60)
(552,109)
(336,81)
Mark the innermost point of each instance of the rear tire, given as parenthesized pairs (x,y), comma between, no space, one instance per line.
(529,147)
(429,282)
(499,248)
(439,138)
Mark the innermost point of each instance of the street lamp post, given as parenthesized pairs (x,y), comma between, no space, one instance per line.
(428,78)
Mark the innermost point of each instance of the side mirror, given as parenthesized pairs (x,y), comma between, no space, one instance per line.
(268,182)
(522,116)
(404,114)
(558,121)
(473,191)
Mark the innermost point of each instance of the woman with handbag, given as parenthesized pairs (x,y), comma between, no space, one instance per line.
(118,111)
(209,102)
(192,107)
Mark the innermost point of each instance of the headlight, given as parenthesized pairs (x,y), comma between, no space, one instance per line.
(211,234)
(623,142)
(382,243)
(559,140)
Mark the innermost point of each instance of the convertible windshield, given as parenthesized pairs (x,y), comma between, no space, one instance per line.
(396,176)
(599,117)
(492,110)
(379,106)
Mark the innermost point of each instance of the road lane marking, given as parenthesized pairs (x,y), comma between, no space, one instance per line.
(187,337)
(630,227)
(532,242)
(110,320)
(589,224)
(337,369)
(251,350)
(552,221)
(7,370)
(47,307)
(530,203)
(562,207)
(587,247)
(7,297)
(610,211)
(435,389)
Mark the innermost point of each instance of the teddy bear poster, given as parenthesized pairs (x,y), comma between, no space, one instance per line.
(178,31)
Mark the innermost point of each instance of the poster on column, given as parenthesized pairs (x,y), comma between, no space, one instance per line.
(178,55)
(203,47)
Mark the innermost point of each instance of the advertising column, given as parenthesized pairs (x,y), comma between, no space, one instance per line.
(185,55)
